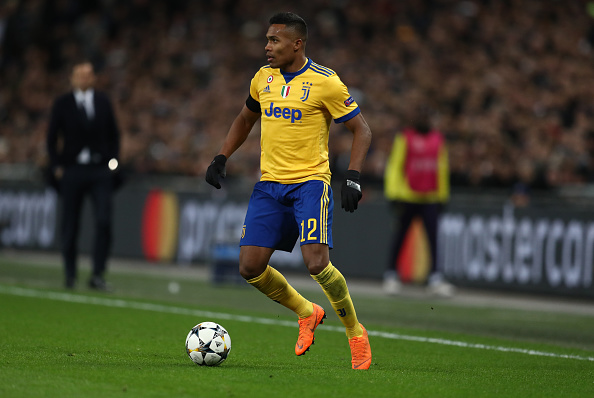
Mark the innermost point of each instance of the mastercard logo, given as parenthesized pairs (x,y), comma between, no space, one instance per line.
(159,225)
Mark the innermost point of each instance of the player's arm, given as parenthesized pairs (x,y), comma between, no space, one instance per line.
(351,187)
(361,141)
(238,133)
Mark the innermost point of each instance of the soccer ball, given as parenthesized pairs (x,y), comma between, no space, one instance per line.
(208,344)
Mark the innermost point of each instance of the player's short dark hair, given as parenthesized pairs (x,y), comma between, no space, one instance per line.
(291,20)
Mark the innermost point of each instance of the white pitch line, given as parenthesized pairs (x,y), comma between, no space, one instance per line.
(120,303)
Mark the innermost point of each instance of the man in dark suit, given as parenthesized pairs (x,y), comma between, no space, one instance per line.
(83,146)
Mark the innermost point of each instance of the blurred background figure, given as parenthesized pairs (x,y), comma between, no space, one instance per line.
(417,185)
(83,145)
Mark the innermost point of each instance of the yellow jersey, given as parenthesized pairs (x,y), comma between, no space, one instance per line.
(297,109)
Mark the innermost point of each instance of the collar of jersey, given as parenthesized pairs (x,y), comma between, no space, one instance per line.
(291,75)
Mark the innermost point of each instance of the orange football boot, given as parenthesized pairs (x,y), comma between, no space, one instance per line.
(360,351)
(307,326)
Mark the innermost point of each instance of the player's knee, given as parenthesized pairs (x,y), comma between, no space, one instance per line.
(250,271)
(316,264)
(316,267)
(250,267)
(316,257)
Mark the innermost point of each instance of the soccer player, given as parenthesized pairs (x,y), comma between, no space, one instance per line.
(296,100)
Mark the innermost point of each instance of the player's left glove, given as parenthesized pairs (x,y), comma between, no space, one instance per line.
(216,170)
(350,194)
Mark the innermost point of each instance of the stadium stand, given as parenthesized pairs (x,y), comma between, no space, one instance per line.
(511,80)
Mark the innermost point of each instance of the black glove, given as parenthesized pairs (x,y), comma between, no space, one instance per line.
(350,194)
(216,170)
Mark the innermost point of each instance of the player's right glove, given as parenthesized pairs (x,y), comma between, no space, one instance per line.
(216,170)
(350,194)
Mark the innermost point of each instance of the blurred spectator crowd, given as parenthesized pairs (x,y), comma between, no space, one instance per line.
(511,82)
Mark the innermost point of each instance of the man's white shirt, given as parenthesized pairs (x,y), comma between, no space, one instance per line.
(85,99)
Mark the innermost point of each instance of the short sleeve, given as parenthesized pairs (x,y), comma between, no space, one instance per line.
(254,91)
(338,101)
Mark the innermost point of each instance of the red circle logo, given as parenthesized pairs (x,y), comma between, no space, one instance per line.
(159,225)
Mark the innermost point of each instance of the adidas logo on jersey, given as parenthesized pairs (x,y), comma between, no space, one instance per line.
(266,89)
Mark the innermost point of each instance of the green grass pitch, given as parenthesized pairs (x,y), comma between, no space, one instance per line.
(130,343)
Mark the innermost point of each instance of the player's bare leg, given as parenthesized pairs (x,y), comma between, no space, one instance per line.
(253,266)
(253,260)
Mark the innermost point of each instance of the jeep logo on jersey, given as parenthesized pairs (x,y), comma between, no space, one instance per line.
(285,113)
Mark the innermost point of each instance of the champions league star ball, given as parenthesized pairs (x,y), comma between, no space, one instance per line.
(208,344)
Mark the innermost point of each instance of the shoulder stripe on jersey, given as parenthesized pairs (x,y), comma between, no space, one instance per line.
(320,71)
(324,68)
